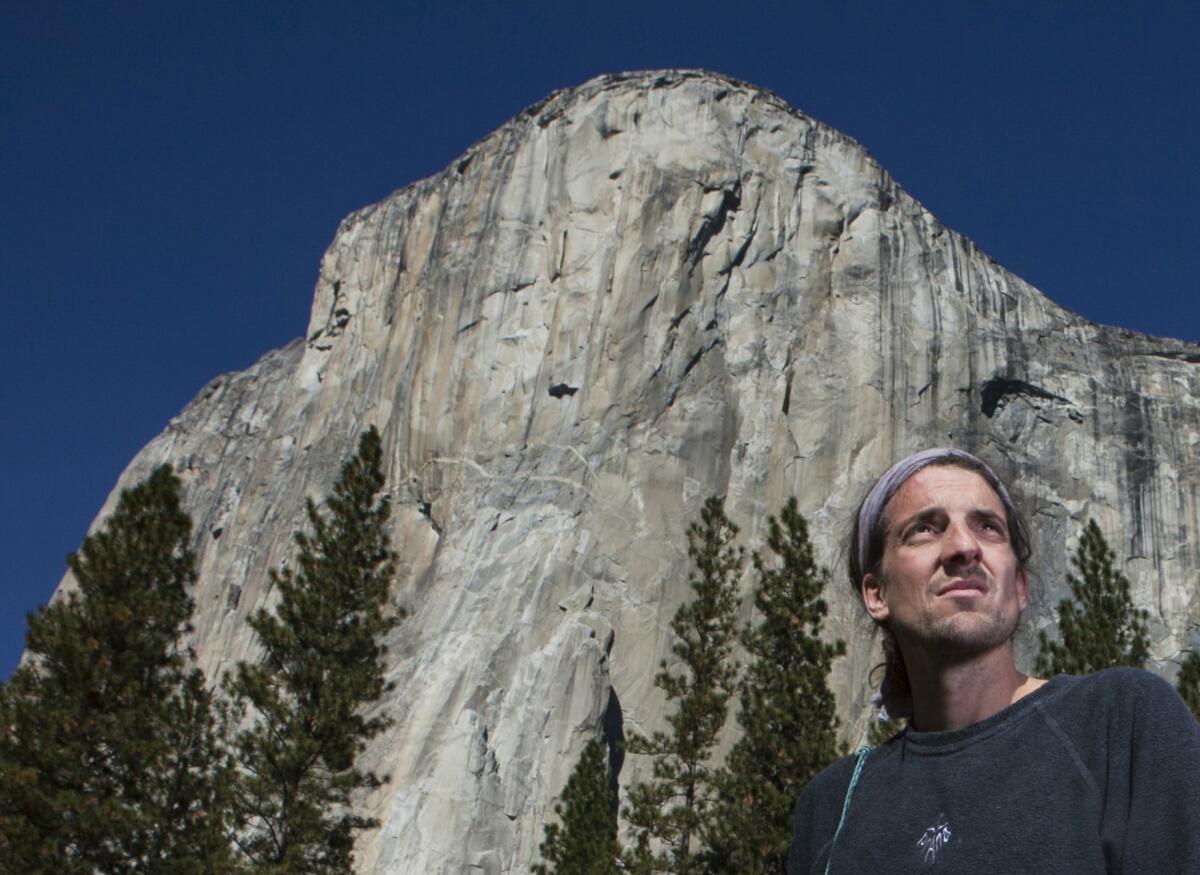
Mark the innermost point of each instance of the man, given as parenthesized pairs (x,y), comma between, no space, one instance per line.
(997,772)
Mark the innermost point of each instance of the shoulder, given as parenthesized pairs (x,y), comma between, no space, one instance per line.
(817,813)
(820,804)
(1120,686)
(1124,678)
(829,784)
(822,798)
(1132,698)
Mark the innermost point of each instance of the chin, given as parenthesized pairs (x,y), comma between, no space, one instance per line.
(970,635)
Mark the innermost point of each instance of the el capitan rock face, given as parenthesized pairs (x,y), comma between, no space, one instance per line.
(638,293)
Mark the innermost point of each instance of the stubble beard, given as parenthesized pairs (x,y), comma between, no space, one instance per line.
(959,636)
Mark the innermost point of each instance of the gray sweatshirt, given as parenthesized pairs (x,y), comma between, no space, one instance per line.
(1095,774)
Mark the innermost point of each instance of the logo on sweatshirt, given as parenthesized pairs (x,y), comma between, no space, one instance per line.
(934,839)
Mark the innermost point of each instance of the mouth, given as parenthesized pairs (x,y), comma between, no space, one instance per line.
(964,586)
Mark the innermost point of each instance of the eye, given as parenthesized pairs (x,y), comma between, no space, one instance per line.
(918,531)
(994,527)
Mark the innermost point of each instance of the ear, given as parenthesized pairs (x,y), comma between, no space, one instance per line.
(874,598)
(1022,589)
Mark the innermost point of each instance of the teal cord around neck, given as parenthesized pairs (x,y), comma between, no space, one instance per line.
(861,756)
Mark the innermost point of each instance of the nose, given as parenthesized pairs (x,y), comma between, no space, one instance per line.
(960,546)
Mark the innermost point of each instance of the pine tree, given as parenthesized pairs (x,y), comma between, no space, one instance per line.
(321,671)
(787,712)
(1188,683)
(1100,628)
(585,841)
(670,814)
(111,755)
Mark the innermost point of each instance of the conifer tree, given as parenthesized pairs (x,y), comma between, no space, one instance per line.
(669,815)
(1188,682)
(111,758)
(787,710)
(1100,628)
(322,670)
(585,840)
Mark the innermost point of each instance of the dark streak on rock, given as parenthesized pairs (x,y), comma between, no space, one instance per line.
(613,728)
(740,255)
(712,225)
(1178,355)
(998,389)
(427,511)
(695,359)
(548,118)
(687,369)
(211,388)
(515,287)
(1141,464)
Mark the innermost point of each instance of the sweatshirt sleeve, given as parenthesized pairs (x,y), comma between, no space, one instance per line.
(1162,829)
(816,818)
(800,854)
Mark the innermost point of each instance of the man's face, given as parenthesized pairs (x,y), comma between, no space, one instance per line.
(949,582)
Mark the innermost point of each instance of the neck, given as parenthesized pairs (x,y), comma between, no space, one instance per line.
(953,694)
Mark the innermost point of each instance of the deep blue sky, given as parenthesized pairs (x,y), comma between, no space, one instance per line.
(170,174)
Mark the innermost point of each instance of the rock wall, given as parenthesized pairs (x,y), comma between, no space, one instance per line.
(640,292)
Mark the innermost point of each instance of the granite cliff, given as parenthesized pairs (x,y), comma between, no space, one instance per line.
(637,293)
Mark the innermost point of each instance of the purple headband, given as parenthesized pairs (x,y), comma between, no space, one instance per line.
(885,487)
